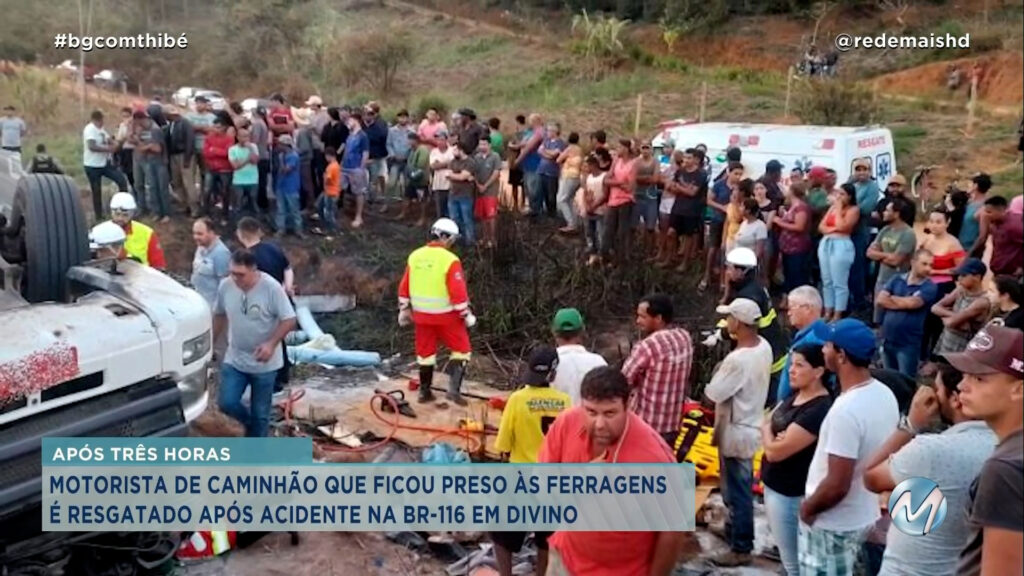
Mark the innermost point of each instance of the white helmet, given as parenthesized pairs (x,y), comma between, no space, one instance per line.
(444,228)
(741,258)
(122,201)
(105,234)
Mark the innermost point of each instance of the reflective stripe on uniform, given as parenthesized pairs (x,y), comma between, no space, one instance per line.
(780,363)
(428,279)
(460,356)
(766,320)
(427,361)
(136,243)
(220,542)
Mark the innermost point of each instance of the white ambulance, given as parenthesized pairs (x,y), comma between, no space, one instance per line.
(800,147)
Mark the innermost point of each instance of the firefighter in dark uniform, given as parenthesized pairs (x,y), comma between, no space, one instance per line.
(741,271)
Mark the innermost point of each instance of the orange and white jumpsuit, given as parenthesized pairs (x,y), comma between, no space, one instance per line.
(435,287)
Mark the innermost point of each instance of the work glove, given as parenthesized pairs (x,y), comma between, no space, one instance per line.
(404,317)
(712,340)
(470,319)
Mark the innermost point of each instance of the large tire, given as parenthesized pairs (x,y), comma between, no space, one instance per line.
(53,232)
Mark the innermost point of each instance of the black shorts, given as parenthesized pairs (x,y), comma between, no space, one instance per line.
(686,225)
(515,177)
(715,231)
(415,192)
(513,541)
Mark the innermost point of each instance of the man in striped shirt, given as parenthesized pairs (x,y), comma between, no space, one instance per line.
(658,368)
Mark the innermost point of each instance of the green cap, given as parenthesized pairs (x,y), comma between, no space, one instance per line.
(567,320)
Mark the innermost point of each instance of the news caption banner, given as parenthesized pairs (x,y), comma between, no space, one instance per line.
(272,484)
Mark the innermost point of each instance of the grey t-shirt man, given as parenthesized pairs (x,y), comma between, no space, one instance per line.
(11,129)
(252,318)
(259,135)
(209,267)
(952,459)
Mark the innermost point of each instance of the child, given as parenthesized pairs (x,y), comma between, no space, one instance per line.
(332,191)
(245,157)
(286,187)
(593,197)
(43,163)
(526,417)
(417,177)
(488,173)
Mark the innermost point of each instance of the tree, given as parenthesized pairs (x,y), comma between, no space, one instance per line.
(376,57)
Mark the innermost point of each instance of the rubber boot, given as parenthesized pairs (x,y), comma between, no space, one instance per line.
(455,384)
(426,381)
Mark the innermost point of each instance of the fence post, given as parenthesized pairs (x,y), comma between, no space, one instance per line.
(789,91)
(703,99)
(971,105)
(639,112)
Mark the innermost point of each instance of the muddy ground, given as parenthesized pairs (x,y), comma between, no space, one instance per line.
(514,291)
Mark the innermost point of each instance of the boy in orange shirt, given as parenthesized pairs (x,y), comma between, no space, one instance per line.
(332,191)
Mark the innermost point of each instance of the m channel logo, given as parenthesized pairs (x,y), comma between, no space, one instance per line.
(917,506)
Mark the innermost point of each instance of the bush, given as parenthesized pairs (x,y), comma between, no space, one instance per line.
(832,102)
(431,102)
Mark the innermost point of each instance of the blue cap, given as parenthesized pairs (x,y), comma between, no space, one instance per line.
(853,337)
(971,267)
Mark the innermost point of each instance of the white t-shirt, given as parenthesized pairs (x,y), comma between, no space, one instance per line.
(855,427)
(739,389)
(100,137)
(574,361)
(439,179)
(750,232)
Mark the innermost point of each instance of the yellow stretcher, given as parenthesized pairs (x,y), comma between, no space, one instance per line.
(693,445)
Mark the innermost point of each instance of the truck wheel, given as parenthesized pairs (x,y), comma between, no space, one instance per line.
(53,232)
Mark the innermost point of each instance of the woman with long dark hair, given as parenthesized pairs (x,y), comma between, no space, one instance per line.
(789,435)
(836,251)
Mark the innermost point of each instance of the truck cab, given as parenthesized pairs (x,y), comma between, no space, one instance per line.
(88,347)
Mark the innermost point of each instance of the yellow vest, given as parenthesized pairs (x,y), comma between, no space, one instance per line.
(136,244)
(428,279)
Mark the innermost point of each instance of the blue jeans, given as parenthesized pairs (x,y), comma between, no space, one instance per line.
(460,209)
(903,359)
(796,270)
(645,209)
(594,231)
(288,212)
(783,514)
(246,199)
(329,212)
(566,201)
(233,383)
(835,256)
(738,494)
(534,192)
(154,172)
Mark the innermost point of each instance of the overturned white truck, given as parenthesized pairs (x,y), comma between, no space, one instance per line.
(87,348)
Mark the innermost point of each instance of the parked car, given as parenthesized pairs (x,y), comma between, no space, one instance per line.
(71,69)
(249,105)
(110,79)
(217,100)
(183,96)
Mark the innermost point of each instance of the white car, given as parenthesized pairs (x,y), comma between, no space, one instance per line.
(217,100)
(183,95)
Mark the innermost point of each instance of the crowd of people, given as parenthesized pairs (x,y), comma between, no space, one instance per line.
(902,357)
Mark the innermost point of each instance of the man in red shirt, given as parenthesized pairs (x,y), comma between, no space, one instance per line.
(603,430)
(219,170)
(658,368)
(1007,231)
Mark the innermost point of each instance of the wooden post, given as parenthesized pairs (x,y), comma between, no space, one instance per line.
(639,112)
(971,105)
(703,100)
(789,91)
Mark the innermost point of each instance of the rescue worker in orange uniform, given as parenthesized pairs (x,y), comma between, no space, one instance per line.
(141,242)
(433,297)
